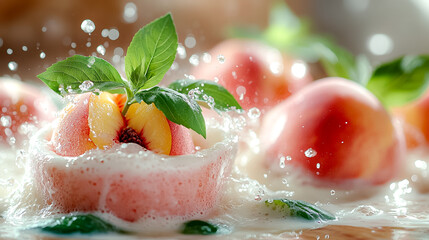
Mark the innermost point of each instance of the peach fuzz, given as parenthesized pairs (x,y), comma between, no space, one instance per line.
(22,103)
(414,117)
(336,131)
(131,183)
(257,75)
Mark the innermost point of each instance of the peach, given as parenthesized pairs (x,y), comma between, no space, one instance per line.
(21,103)
(414,117)
(257,75)
(92,121)
(133,184)
(336,131)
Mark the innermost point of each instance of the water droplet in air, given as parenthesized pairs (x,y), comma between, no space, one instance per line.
(86,85)
(194,60)
(13,66)
(254,113)
(299,69)
(310,153)
(130,12)
(87,26)
(9,51)
(118,51)
(241,91)
(42,55)
(276,68)
(190,41)
(207,58)
(6,121)
(282,162)
(113,34)
(221,58)
(234,74)
(332,192)
(88,44)
(44,29)
(181,51)
(101,50)
(105,32)
(318,165)
(288,158)
(24,48)
(116,59)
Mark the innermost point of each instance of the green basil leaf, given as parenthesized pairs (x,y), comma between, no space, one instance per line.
(400,81)
(207,91)
(176,106)
(301,209)
(151,53)
(198,227)
(79,224)
(74,72)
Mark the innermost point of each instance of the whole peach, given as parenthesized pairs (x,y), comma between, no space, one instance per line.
(414,117)
(336,131)
(256,74)
(21,103)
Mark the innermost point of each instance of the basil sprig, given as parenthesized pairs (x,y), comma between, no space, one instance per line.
(82,224)
(300,209)
(149,56)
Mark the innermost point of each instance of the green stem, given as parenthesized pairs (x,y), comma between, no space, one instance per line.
(130,100)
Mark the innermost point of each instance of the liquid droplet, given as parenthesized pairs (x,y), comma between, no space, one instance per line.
(9,51)
(42,55)
(86,85)
(101,50)
(332,192)
(24,48)
(190,42)
(254,113)
(181,51)
(6,121)
(13,66)
(207,58)
(221,58)
(194,60)
(310,153)
(282,162)
(87,26)
(91,62)
(113,34)
(130,12)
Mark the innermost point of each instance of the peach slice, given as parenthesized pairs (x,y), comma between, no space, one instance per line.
(151,125)
(90,121)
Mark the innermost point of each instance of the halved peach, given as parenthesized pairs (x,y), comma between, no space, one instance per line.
(132,183)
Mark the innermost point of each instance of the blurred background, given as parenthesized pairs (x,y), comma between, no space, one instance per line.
(36,33)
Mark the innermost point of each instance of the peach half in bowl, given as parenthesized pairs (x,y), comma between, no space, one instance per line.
(133,183)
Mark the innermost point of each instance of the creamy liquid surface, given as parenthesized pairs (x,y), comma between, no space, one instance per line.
(400,203)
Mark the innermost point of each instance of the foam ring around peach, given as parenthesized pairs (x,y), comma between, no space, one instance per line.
(130,183)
